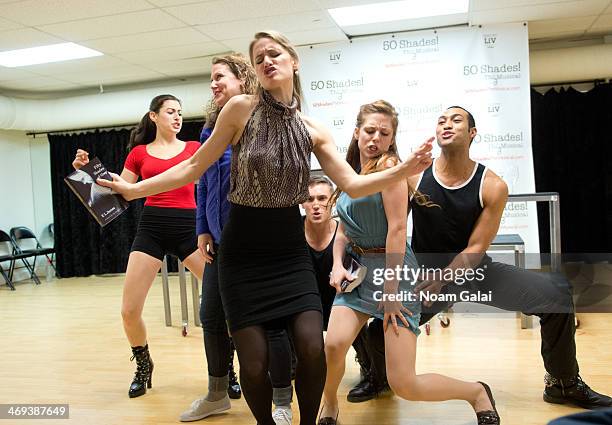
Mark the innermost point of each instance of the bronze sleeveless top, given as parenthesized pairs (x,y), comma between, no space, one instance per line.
(271,161)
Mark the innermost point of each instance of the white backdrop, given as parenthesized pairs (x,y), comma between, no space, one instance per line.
(484,69)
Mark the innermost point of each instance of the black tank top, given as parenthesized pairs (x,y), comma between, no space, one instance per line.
(445,230)
(323,262)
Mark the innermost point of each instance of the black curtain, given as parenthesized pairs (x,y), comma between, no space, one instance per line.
(83,247)
(571,152)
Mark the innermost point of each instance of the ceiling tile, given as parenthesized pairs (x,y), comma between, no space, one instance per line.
(128,23)
(5,24)
(106,76)
(166,3)
(552,27)
(325,35)
(602,24)
(193,66)
(36,83)
(217,11)
(24,38)
(148,40)
(331,4)
(78,65)
(240,45)
(537,12)
(14,74)
(190,51)
(313,21)
(482,5)
(42,12)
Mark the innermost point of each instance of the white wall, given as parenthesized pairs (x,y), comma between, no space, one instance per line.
(25,188)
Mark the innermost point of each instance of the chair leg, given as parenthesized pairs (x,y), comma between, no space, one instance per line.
(7,279)
(31,270)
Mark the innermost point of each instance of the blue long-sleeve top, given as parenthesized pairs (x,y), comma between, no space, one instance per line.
(213,206)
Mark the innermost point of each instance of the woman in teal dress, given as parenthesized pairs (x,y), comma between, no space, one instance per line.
(373,230)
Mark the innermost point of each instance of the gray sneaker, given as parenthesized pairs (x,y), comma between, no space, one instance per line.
(202,408)
(282,415)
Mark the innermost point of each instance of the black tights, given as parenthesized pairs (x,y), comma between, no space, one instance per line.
(251,343)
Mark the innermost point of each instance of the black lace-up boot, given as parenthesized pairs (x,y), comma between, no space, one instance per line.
(573,391)
(144,370)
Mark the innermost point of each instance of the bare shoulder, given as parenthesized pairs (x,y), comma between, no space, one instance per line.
(494,189)
(241,103)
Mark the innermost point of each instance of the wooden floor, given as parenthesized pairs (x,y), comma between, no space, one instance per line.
(62,342)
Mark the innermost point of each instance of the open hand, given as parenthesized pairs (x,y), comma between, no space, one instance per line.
(432,287)
(419,159)
(393,310)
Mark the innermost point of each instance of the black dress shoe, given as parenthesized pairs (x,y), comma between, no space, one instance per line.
(577,393)
(366,390)
(488,417)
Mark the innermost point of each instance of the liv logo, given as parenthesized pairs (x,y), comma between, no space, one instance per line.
(494,108)
(489,40)
(334,57)
(338,122)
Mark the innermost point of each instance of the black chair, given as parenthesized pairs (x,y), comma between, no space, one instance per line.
(20,234)
(10,256)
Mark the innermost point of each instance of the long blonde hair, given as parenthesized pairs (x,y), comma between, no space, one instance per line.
(239,65)
(285,44)
(383,161)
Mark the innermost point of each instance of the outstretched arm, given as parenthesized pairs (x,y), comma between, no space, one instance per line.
(228,129)
(356,185)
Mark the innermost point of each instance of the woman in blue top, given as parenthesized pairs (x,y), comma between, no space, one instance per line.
(373,230)
(230,75)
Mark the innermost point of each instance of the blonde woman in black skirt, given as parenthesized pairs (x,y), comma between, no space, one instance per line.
(266,277)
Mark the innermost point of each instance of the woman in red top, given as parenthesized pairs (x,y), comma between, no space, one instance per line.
(167,223)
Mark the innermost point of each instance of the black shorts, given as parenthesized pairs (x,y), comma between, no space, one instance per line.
(164,231)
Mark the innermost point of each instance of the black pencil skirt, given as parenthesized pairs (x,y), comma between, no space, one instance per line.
(265,271)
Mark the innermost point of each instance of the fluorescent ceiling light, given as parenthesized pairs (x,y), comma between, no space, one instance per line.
(396,11)
(45,54)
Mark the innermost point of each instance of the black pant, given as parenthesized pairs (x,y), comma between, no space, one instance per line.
(545,295)
(600,417)
(282,357)
(216,336)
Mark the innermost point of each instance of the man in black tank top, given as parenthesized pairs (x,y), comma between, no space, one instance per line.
(454,232)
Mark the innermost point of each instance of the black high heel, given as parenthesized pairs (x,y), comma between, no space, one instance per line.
(233,386)
(143,377)
(328,420)
(488,417)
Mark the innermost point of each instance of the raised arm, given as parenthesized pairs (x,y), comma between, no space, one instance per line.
(345,177)
(82,158)
(228,129)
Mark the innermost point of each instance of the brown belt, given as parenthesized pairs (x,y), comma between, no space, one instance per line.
(359,250)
